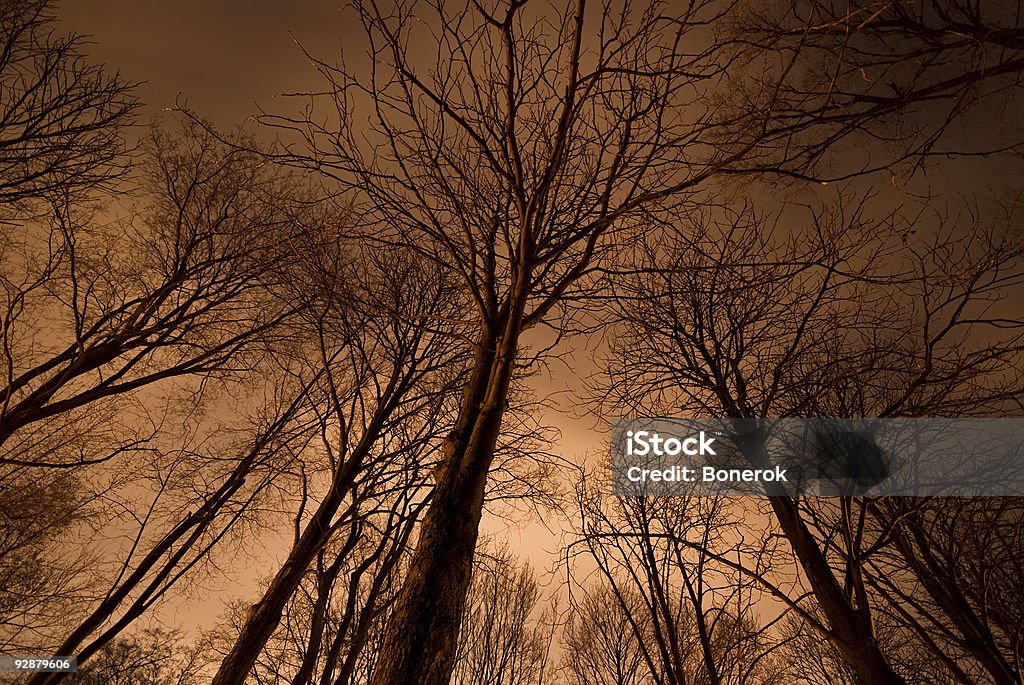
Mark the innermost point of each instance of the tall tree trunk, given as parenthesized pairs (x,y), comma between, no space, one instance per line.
(266,614)
(325,578)
(852,626)
(422,632)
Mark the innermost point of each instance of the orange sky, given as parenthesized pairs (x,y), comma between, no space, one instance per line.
(223,57)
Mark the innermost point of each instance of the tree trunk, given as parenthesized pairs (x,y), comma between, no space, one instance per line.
(325,579)
(422,632)
(852,627)
(266,614)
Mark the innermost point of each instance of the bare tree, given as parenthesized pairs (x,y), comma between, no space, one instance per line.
(61,118)
(100,316)
(382,345)
(747,323)
(95,313)
(503,641)
(516,159)
(600,641)
(517,152)
(671,566)
(151,657)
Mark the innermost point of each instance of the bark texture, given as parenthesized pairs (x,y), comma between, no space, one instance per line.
(422,633)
